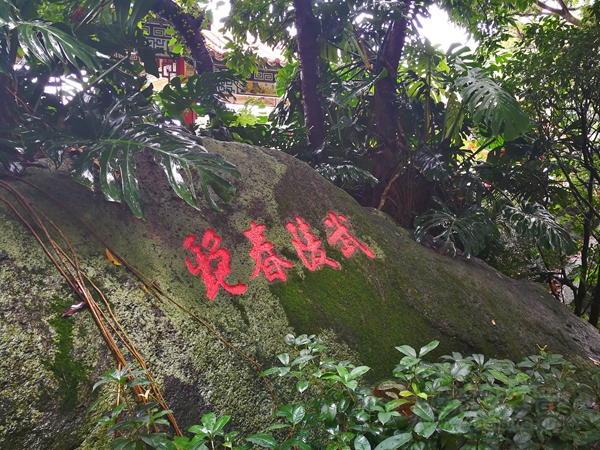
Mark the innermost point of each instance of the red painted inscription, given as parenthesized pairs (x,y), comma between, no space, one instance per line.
(309,246)
(263,254)
(213,276)
(213,262)
(341,234)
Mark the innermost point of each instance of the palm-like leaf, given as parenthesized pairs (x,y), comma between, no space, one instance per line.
(198,93)
(345,175)
(352,90)
(7,13)
(532,220)
(492,105)
(434,166)
(120,31)
(469,228)
(45,42)
(453,120)
(471,189)
(111,141)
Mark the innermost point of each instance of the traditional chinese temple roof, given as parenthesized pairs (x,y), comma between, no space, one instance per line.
(216,42)
(158,37)
(258,86)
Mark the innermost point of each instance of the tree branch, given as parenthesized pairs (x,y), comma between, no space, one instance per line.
(188,27)
(564,12)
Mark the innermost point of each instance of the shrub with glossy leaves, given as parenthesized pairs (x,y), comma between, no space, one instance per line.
(458,403)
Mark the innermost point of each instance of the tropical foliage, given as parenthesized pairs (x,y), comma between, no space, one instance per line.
(558,80)
(439,100)
(435,138)
(463,402)
(109,118)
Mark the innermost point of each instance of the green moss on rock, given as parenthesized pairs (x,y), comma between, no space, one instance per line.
(67,370)
(345,302)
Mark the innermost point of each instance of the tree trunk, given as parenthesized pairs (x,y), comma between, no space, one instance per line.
(385,103)
(595,309)
(8,117)
(580,294)
(188,27)
(390,136)
(8,106)
(587,232)
(308,52)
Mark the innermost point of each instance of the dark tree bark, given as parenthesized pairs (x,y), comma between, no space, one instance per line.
(308,52)
(563,12)
(390,136)
(387,126)
(9,116)
(8,106)
(188,27)
(582,288)
(595,309)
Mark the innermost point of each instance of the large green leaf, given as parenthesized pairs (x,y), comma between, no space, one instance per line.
(532,220)
(448,408)
(455,425)
(424,411)
(453,120)
(129,183)
(490,104)
(428,348)
(158,442)
(130,14)
(298,414)
(198,93)
(263,440)
(120,31)
(469,228)
(425,429)
(394,442)
(434,166)
(362,443)
(180,185)
(109,181)
(220,186)
(345,175)
(7,14)
(356,89)
(46,42)
(110,141)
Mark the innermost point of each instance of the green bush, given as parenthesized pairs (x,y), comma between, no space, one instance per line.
(459,403)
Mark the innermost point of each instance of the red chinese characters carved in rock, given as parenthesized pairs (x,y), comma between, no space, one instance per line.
(341,234)
(208,251)
(271,265)
(309,246)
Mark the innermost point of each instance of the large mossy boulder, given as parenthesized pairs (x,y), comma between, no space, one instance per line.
(406,293)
